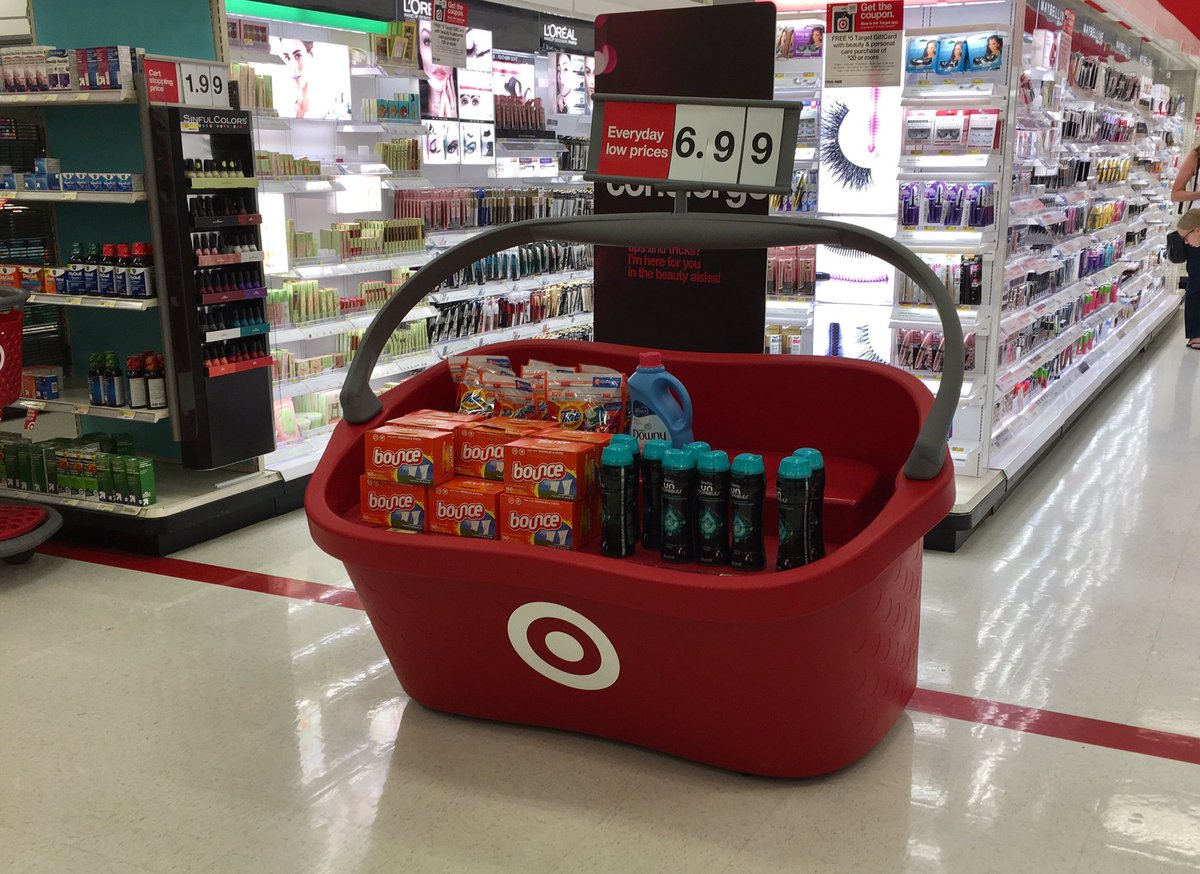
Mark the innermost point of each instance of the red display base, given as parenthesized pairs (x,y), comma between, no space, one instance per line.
(225,260)
(228,296)
(216,222)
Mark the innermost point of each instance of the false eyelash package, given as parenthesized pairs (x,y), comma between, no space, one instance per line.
(918,127)
(922,55)
(985,51)
(983,128)
(950,127)
(952,56)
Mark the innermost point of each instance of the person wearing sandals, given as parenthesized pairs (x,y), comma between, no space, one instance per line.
(1189,229)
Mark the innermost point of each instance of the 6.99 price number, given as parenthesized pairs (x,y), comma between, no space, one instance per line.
(726,145)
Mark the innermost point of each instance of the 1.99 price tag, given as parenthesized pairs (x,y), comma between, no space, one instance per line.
(715,146)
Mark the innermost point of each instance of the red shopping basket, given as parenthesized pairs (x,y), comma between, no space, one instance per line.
(782,674)
(11,322)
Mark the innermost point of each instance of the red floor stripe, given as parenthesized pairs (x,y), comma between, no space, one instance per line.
(250,581)
(1031,720)
(1064,726)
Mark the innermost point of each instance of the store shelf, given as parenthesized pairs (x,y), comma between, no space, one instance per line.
(921,317)
(971,393)
(518,332)
(317,330)
(331,380)
(299,185)
(406,182)
(519,146)
(1043,354)
(68,98)
(268,119)
(77,403)
(1058,403)
(229,259)
(387,71)
(217,222)
(200,184)
(229,296)
(103,303)
(452,237)
(73,196)
(237,333)
(296,460)
(353,267)
(502,287)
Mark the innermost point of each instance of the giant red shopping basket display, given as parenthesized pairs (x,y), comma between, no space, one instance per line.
(785,674)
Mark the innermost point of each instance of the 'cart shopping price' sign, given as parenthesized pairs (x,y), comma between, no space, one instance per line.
(743,145)
(863,47)
(186,82)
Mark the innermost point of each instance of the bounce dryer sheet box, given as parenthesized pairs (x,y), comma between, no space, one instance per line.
(413,456)
(395,506)
(543,522)
(480,449)
(594,439)
(556,469)
(466,508)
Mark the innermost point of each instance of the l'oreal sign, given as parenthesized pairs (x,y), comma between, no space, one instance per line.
(559,34)
(418,8)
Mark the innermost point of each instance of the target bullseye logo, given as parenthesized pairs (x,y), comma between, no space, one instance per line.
(563,645)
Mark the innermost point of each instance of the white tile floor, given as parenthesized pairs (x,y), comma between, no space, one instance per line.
(149,723)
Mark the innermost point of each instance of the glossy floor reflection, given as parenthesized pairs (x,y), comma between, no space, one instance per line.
(155,724)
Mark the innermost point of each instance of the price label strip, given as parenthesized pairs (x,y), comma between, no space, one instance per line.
(699,143)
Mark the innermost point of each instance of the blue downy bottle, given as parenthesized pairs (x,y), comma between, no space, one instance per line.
(662,409)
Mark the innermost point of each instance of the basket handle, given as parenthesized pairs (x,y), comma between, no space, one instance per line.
(12,298)
(695,230)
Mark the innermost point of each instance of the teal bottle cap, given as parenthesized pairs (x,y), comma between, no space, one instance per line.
(678,459)
(748,464)
(815,460)
(713,462)
(655,449)
(626,440)
(794,468)
(616,456)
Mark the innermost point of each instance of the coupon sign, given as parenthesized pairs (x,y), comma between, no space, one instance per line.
(741,145)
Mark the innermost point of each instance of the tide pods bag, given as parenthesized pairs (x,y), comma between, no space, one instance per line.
(467,372)
(514,397)
(587,402)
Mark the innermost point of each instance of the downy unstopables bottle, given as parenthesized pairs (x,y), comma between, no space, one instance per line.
(678,505)
(816,507)
(712,508)
(652,477)
(747,490)
(792,488)
(618,502)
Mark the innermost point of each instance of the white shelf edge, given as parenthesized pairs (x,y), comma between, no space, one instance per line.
(104,303)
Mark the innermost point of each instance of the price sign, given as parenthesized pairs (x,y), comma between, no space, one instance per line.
(724,144)
(187,82)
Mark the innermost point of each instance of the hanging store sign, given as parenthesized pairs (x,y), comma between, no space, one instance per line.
(448,33)
(705,143)
(863,46)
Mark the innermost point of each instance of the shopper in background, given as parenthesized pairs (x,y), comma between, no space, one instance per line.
(1184,192)
(1189,229)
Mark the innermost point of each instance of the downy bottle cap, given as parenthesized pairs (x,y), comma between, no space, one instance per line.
(678,459)
(815,460)
(713,462)
(625,440)
(794,468)
(655,449)
(748,464)
(616,456)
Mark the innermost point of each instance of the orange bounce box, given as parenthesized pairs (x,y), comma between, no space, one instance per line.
(546,522)
(479,450)
(395,506)
(467,508)
(413,456)
(557,469)
(595,439)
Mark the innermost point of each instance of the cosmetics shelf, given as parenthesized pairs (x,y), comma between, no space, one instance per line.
(230,296)
(503,287)
(1014,321)
(1143,251)
(299,185)
(68,98)
(218,370)
(237,333)
(926,318)
(1044,353)
(972,391)
(975,164)
(316,330)
(949,241)
(387,71)
(77,403)
(516,146)
(517,332)
(351,267)
(219,222)
(198,184)
(406,182)
(411,128)
(103,303)
(268,119)
(331,380)
(1022,433)
(229,259)
(70,196)
(452,236)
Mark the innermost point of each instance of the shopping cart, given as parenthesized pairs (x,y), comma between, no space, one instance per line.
(23,526)
(783,674)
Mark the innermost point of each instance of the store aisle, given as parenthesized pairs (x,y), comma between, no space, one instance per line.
(155,723)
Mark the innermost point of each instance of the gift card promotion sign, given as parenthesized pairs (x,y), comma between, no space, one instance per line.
(448,33)
(863,46)
(702,144)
